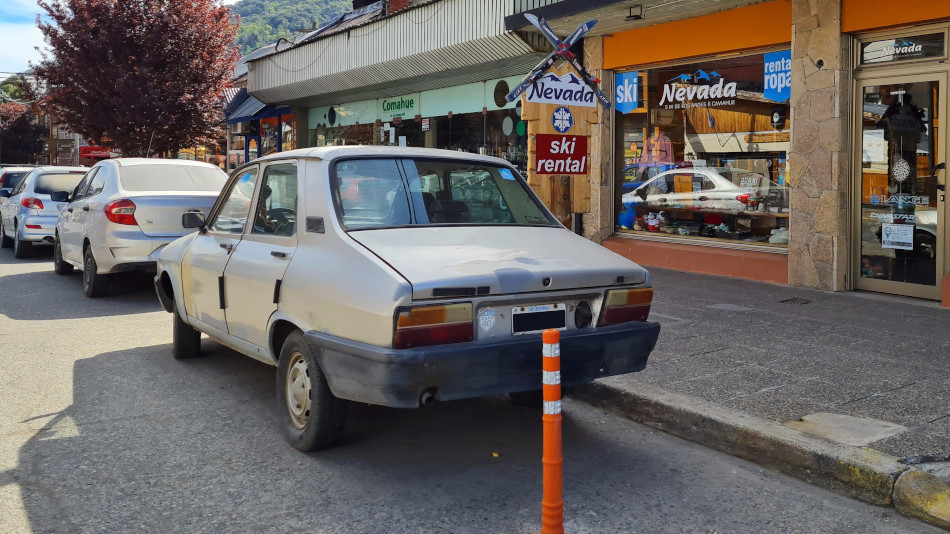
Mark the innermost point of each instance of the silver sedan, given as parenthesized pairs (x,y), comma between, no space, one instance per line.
(397,277)
(124,211)
(29,215)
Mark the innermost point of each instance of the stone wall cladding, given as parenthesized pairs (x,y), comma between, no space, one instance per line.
(598,224)
(817,161)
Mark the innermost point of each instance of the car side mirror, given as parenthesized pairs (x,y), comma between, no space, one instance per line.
(59,196)
(4,193)
(641,192)
(192,219)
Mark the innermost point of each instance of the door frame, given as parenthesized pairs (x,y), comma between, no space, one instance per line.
(881,75)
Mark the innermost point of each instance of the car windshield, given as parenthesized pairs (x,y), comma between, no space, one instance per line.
(50,183)
(171,178)
(381,193)
(11,178)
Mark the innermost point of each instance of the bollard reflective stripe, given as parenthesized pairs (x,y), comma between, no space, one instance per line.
(552,501)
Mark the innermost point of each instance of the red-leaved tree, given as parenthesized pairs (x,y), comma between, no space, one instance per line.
(130,73)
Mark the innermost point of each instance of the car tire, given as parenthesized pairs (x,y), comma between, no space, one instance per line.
(5,242)
(527,399)
(186,340)
(21,249)
(93,284)
(60,266)
(311,416)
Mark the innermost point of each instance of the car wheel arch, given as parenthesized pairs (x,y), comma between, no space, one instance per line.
(279,332)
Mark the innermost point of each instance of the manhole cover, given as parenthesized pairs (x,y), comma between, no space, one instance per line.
(795,300)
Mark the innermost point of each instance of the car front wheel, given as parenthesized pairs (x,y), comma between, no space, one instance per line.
(311,416)
(60,266)
(93,283)
(21,249)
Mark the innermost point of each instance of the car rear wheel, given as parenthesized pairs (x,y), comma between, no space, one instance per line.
(311,416)
(21,249)
(60,266)
(186,341)
(5,242)
(93,284)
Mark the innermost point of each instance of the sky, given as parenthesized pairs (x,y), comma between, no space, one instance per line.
(19,36)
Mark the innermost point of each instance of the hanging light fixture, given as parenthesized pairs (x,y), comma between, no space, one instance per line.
(635,16)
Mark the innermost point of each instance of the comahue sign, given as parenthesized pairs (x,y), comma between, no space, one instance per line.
(561,154)
(398,106)
(567,90)
(684,91)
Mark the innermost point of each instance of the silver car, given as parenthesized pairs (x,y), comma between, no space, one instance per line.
(124,211)
(29,214)
(397,277)
(10,176)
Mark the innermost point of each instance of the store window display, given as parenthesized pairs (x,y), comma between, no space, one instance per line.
(703,153)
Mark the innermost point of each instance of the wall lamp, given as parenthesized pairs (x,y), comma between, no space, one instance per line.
(635,16)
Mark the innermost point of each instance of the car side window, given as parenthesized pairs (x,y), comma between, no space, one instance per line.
(276,212)
(80,190)
(22,185)
(232,215)
(97,184)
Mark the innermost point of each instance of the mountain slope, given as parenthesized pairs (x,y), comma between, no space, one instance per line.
(264,21)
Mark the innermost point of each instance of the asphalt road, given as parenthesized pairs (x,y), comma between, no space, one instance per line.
(101,430)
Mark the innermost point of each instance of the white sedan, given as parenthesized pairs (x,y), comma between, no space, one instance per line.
(397,277)
(711,188)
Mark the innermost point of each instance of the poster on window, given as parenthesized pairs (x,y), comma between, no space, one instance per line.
(897,236)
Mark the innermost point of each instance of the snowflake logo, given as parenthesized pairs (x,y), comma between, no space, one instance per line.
(563,119)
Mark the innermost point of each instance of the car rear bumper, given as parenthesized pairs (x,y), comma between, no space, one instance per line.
(399,377)
(45,232)
(128,250)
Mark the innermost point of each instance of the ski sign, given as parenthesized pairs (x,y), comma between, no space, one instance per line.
(584,93)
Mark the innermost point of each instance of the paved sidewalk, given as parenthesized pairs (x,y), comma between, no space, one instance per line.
(739,364)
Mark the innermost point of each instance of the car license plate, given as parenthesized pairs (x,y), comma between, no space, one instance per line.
(538,317)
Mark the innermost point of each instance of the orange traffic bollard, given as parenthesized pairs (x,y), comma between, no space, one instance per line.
(552,500)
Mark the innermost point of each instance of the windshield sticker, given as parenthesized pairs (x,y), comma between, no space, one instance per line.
(486,319)
(891,217)
(506,174)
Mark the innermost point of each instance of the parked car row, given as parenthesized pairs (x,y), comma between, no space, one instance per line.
(384,275)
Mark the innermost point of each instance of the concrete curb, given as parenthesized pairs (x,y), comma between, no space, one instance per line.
(859,472)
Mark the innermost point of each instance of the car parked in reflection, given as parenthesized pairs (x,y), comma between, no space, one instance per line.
(10,176)
(29,215)
(397,277)
(124,211)
(711,188)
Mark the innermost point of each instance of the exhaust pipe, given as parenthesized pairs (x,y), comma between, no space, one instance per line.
(428,397)
(49,239)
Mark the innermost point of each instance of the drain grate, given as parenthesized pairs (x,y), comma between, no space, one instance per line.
(795,300)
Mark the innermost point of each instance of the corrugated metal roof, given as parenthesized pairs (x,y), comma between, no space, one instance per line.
(232,98)
(250,107)
(240,68)
(429,45)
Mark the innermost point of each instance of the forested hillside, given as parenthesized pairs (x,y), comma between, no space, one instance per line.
(263,21)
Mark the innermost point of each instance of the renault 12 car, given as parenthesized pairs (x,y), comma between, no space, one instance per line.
(124,211)
(397,277)
(29,215)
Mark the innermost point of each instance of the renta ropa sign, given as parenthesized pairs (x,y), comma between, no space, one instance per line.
(561,154)
(567,90)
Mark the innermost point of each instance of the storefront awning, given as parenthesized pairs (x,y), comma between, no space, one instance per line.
(248,110)
(398,54)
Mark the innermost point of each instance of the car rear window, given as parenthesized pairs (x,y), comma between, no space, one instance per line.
(171,178)
(382,193)
(50,183)
(11,178)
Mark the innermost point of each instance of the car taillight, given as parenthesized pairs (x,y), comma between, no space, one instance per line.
(32,203)
(433,325)
(626,305)
(744,198)
(121,211)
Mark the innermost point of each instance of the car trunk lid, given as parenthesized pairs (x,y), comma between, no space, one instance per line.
(159,215)
(460,261)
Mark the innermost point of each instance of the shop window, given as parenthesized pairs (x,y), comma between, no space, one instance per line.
(701,153)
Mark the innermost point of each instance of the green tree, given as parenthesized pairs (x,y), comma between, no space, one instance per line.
(264,21)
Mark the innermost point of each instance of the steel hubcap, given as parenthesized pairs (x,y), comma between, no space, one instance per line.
(298,390)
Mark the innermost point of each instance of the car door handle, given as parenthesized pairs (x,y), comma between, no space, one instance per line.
(226,246)
(85,208)
(278,254)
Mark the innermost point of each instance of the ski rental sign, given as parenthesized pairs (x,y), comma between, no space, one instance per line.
(566,90)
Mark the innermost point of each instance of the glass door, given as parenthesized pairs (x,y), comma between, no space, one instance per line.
(900,151)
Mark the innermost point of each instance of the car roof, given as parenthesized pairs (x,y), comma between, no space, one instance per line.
(126,162)
(60,168)
(347,151)
(16,169)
